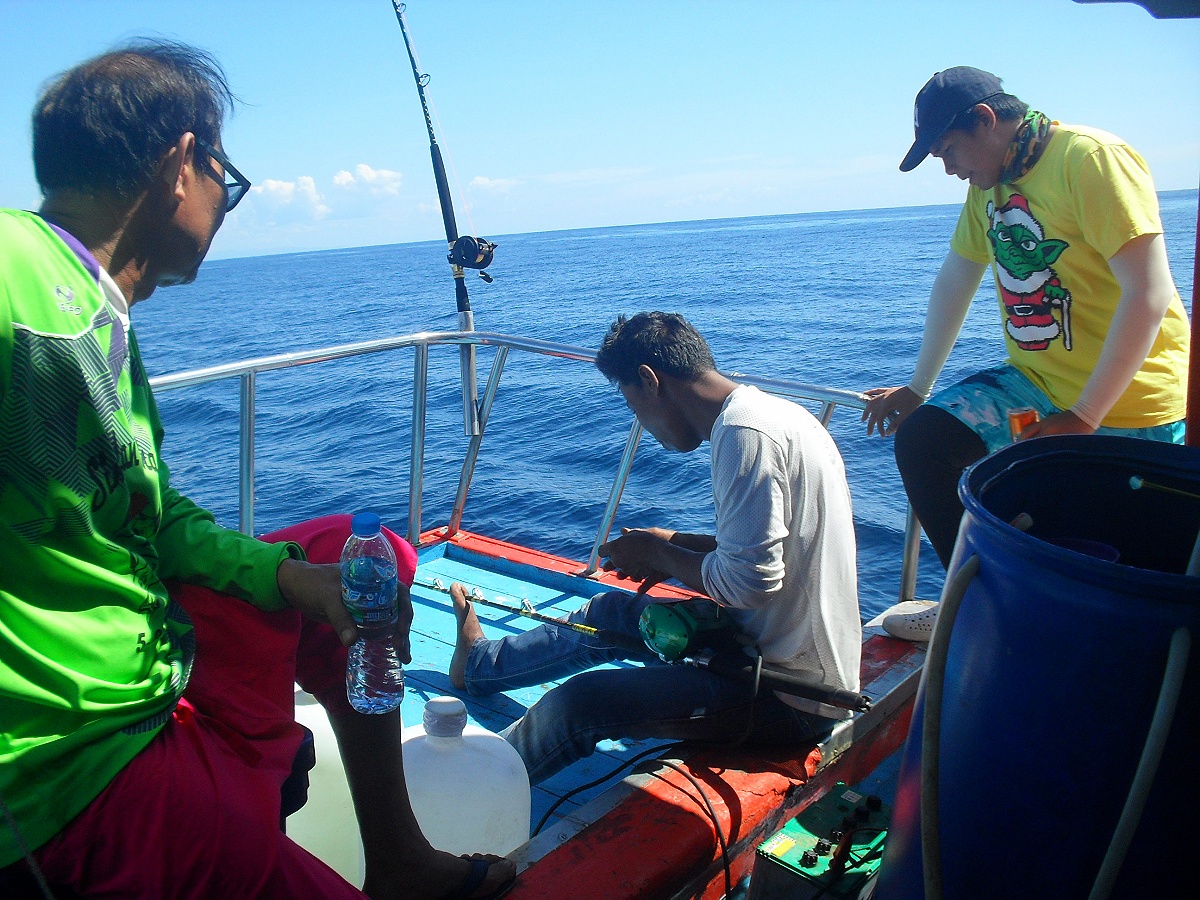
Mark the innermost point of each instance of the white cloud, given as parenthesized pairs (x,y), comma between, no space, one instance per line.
(275,199)
(500,185)
(376,182)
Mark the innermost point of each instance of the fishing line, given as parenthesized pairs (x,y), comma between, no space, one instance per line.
(465,251)
(462,195)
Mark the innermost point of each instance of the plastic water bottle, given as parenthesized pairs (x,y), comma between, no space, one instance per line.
(468,786)
(374,675)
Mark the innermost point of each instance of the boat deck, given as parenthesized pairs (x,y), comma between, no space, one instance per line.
(645,835)
(510,574)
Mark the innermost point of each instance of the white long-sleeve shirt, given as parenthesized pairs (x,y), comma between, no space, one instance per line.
(785,557)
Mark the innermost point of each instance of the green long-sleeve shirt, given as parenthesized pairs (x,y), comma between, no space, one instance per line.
(93,654)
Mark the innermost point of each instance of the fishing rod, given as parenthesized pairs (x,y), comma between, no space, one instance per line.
(617,638)
(676,638)
(466,252)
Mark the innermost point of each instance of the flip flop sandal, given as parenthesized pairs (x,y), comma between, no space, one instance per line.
(475,877)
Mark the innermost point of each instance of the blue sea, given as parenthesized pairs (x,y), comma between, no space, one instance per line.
(834,298)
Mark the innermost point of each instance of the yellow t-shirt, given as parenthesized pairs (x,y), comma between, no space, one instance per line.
(1048,237)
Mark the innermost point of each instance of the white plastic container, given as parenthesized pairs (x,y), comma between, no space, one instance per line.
(467,785)
(325,826)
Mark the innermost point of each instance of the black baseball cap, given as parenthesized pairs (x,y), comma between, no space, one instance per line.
(944,96)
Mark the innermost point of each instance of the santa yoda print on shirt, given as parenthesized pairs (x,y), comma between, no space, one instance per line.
(1029,286)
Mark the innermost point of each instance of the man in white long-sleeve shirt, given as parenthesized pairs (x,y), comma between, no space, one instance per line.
(1096,335)
(782,562)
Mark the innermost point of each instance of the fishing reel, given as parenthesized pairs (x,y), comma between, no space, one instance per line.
(677,630)
(703,633)
(472,253)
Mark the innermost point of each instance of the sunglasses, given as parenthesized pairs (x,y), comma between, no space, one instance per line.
(236,189)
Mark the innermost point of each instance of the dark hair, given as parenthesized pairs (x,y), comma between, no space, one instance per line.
(665,342)
(1005,106)
(103,126)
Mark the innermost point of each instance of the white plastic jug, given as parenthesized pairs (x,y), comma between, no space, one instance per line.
(325,826)
(468,786)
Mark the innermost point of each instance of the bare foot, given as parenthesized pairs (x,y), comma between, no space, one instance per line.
(469,631)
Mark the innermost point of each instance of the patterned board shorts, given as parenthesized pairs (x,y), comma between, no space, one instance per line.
(983,400)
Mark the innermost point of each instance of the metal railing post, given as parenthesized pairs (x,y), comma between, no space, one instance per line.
(912,550)
(827,409)
(614,496)
(246,455)
(468,466)
(416,461)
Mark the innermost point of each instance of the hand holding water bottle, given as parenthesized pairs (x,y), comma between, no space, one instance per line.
(316,591)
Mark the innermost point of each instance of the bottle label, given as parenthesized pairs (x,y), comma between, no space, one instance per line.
(369,587)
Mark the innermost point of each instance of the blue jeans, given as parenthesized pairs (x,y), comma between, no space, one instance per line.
(653,702)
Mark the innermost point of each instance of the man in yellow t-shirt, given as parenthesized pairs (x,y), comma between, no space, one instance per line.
(1097,338)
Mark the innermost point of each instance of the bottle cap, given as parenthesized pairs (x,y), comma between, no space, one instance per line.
(445,717)
(365,524)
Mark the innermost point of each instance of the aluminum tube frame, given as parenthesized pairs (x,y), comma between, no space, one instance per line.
(466,366)
(614,496)
(472,455)
(416,456)
(246,410)
(421,341)
(912,550)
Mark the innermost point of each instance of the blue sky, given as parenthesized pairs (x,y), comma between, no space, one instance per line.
(564,114)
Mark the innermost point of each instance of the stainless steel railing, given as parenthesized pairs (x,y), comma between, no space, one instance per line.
(247,370)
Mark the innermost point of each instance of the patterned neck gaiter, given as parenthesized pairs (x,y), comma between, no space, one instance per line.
(1026,147)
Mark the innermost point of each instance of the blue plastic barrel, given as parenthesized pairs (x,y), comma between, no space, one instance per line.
(1054,669)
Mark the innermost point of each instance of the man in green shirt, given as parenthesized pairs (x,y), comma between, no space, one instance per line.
(146,654)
